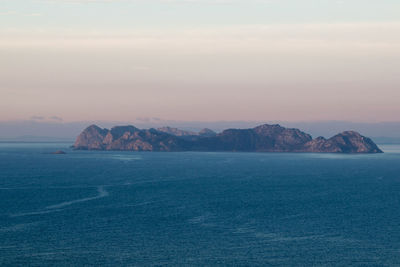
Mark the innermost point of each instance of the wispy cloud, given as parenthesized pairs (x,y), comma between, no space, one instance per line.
(158,1)
(226,38)
(15,13)
(37,118)
(56,118)
(33,15)
(5,13)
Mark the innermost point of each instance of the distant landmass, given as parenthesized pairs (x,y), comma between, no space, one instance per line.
(264,138)
(37,139)
(43,131)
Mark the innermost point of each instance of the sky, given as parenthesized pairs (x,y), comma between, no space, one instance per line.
(200,60)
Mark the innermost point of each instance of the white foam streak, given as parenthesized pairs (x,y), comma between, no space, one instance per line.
(101,193)
(58,207)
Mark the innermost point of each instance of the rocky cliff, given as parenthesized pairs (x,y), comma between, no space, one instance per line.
(264,138)
(127,138)
(346,142)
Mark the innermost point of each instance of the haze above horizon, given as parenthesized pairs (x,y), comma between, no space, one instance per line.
(200,60)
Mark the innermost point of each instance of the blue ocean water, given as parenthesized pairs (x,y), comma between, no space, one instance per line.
(202,209)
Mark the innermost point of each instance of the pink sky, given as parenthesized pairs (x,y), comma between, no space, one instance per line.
(291,72)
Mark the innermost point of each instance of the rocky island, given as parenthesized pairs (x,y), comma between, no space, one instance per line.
(264,138)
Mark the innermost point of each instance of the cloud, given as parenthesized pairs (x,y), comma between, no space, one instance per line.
(33,15)
(42,118)
(4,13)
(14,13)
(233,38)
(56,118)
(186,2)
(159,1)
(37,118)
(149,120)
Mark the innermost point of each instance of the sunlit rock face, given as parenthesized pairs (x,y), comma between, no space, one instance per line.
(127,138)
(346,142)
(92,138)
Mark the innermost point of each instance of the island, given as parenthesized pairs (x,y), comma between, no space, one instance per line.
(264,138)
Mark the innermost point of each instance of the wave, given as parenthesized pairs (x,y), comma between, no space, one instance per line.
(101,193)
(18,227)
(58,207)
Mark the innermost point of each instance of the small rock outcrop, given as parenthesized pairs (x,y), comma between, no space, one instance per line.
(58,152)
(264,138)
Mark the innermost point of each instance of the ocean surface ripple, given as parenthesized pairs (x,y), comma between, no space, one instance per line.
(197,209)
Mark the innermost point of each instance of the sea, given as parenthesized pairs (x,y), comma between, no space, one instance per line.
(98,208)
